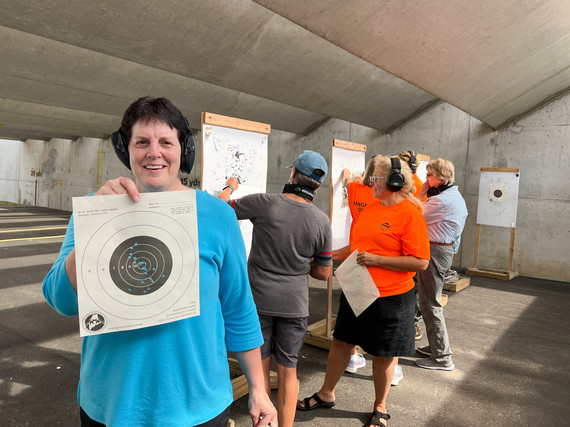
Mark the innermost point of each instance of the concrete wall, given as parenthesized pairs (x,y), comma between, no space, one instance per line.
(54,171)
(539,145)
(50,173)
(9,170)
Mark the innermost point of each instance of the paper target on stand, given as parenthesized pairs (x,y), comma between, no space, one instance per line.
(352,156)
(498,197)
(238,148)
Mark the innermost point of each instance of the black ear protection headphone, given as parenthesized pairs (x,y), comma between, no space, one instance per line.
(395,180)
(413,161)
(188,149)
(434,191)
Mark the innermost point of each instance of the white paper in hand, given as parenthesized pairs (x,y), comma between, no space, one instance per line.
(357,284)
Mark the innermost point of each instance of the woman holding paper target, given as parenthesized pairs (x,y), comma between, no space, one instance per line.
(159,375)
(392,242)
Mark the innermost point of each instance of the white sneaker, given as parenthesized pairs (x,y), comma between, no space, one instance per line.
(398,375)
(357,361)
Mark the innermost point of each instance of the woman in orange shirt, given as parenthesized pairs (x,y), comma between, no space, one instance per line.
(391,238)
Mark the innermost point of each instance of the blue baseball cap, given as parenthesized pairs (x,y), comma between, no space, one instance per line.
(311,164)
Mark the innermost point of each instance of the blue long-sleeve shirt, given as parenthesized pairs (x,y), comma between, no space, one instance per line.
(177,373)
(445,215)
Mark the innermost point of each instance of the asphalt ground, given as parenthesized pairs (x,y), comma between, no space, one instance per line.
(510,341)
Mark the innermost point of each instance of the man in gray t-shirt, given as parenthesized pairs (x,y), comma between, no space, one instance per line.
(291,240)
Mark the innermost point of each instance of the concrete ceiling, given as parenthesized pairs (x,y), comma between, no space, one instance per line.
(70,68)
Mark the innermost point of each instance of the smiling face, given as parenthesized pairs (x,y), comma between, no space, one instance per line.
(378,182)
(154,152)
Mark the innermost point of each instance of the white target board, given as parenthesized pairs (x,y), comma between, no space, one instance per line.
(234,148)
(421,170)
(498,197)
(345,155)
(137,263)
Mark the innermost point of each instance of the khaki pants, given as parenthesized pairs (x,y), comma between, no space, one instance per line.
(430,284)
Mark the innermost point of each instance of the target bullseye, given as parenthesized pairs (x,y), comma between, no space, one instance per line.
(140,265)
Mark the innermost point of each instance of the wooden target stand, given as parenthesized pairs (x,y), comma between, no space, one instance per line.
(239,381)
(493,273)
(319,334)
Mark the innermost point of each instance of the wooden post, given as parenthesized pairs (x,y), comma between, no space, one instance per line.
(328,319)
(329,326)
(476,256)
(512,249)
(319,333)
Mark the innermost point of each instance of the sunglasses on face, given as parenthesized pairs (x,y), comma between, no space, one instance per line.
(373,178)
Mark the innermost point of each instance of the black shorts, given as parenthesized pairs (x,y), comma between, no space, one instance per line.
(385,328)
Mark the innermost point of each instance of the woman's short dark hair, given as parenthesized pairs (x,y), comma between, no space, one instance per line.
(148,109)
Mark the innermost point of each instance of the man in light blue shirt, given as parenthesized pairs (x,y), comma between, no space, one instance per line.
(445,213)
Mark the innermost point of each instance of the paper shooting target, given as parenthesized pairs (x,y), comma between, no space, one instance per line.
(498,192)
(141,269)
(498,197)
(140,265)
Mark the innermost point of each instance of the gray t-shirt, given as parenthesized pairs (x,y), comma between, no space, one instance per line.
(287,235)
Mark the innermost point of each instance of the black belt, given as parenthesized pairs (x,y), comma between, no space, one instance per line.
(441,244)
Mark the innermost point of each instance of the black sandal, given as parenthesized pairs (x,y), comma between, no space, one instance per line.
(319,403)
(376,419)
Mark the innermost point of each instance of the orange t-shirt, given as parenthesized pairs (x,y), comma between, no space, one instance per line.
(359,195)
(391,231)
(418,184)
